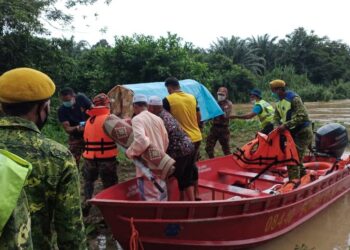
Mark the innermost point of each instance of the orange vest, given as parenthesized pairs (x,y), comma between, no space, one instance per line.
(268,150)
(97,144)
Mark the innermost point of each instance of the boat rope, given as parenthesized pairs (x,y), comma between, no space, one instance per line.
(135,241)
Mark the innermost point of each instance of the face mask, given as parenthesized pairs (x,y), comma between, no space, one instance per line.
(221,98)
(252,101)
(68,104)
(41,121)
(275,96)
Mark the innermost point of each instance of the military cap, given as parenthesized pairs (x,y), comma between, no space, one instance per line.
(277,83)
(25,85)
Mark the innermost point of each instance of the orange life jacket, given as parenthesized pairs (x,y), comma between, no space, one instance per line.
(97,144)
(265,150)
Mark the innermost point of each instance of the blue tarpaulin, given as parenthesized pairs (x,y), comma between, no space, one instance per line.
(207,104)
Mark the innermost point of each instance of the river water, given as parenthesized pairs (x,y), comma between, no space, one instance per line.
(330,229)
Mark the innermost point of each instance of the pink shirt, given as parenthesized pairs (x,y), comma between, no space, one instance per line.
(147,128)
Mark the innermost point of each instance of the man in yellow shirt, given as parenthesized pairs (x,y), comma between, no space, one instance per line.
(184,108)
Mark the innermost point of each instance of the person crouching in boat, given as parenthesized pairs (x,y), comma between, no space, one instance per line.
(180,148)
(291,114)
(100,151)
(147,128)
(262,109)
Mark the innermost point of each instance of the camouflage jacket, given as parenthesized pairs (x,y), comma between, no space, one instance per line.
(53,188)
(223,120)
(17,231)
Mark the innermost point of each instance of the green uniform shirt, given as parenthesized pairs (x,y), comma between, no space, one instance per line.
(52,188)
(17,232)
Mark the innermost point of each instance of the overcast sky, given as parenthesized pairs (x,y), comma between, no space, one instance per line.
(203,21)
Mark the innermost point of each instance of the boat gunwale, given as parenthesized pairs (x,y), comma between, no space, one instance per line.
(210,203)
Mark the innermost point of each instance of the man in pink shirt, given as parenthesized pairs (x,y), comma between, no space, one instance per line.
(147,128)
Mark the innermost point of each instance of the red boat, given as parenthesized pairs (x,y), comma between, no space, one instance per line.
(235,212)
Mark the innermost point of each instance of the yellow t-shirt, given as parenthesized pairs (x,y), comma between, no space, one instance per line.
(183,107)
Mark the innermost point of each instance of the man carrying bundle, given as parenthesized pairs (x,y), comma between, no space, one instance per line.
(148,129)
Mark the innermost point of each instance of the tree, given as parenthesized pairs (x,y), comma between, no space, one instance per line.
(25,16)
(237,50)
(145,59)
(266,48)
(318,57)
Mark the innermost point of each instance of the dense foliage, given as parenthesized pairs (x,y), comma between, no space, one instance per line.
(315,67)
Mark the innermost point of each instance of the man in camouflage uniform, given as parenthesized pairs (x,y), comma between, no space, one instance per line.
(291,114)
(53,186)
(220,128)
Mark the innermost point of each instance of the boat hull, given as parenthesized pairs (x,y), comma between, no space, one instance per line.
(216,224)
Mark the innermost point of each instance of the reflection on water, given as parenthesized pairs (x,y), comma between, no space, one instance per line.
(330,229)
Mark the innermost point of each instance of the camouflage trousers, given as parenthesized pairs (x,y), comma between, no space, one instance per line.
(76,147)
(221,134)
(106,169)
(302,140)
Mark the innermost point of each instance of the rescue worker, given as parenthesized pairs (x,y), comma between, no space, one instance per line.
(219,130)
(100,150)
(262,109)
(184,108)
(291,114)
(15,222)
(180,148)
(147,128)
(53,185)
(72,115)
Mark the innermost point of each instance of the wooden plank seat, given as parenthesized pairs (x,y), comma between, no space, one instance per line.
(250,175)
(229,189)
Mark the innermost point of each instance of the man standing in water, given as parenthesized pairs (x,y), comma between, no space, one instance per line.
(262,109)
(220,128)
(291,114)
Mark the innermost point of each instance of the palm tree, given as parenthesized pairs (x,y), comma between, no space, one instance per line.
(237,50)
(266,48)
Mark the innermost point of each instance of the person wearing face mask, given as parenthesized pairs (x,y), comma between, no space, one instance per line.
(52,187)
(291,114)
(219,130)
(72,116)
(262,109)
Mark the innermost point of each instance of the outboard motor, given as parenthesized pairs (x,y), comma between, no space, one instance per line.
(331,139)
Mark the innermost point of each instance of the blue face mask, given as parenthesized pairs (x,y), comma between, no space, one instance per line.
(68,104)
(275,96)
